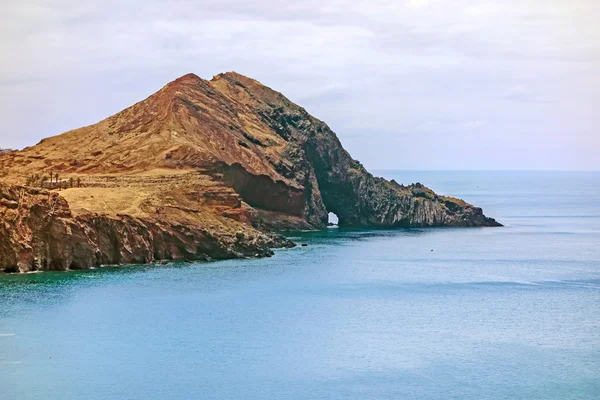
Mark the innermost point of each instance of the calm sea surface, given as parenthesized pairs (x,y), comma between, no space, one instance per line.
(495,313)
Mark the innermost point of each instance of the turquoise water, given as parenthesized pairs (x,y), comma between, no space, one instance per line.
(496,313)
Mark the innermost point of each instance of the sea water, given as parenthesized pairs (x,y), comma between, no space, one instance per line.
(483,313)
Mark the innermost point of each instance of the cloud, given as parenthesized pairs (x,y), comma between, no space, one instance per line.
(431,126)
(380,66)
(473,125)
(449,126)
(517,92)
(417,3)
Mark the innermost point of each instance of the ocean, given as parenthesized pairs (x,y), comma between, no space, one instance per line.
(481,313)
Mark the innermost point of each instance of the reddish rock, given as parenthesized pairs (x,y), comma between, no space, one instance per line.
(42,234)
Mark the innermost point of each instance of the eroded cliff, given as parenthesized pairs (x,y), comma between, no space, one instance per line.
(39,232)
(199,169)
(334,182)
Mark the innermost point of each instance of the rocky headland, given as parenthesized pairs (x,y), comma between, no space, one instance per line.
(199,170)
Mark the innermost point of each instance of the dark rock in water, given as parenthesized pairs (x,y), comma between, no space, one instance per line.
(304,244)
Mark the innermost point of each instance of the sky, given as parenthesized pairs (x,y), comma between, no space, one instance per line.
(406,84)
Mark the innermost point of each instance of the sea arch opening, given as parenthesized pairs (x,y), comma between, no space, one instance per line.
(332,219)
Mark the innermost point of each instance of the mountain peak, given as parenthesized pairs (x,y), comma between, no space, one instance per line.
(235,77)
(187,79)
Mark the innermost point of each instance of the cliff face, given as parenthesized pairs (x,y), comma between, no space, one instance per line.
(39,232)
(197,170)
(334,182)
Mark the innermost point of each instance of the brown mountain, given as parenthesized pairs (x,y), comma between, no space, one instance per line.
(216,164)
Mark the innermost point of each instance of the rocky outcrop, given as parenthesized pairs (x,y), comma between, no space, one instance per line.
(330,180)
(39,232)
(201,169)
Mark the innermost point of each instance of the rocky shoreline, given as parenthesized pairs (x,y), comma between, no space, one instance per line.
(39,233)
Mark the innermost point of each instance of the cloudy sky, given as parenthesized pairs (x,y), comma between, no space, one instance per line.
(406,84)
